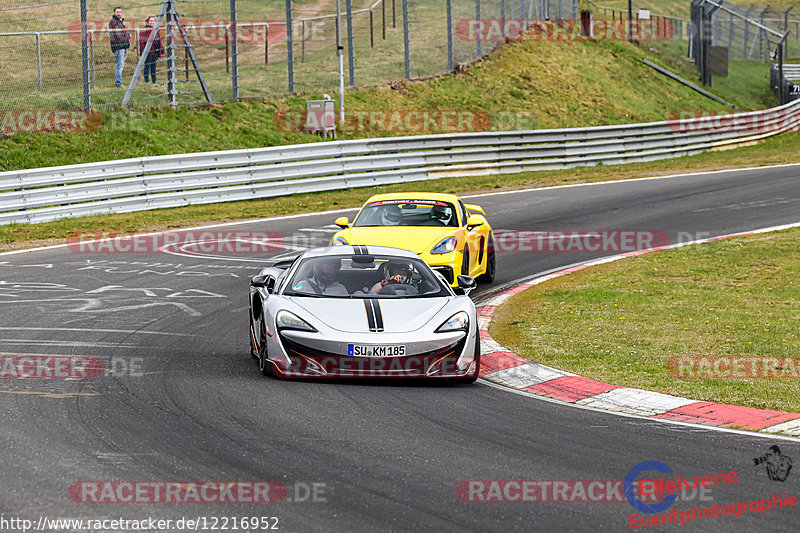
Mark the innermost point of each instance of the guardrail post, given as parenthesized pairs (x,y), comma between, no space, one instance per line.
(289,46)
(449,21)
(406,44)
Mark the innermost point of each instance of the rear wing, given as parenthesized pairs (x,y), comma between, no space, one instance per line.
(475,209)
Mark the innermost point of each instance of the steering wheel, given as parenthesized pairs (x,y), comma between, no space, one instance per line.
(399,288)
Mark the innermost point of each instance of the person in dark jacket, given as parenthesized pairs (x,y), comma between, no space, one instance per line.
(156,50)
(120,42)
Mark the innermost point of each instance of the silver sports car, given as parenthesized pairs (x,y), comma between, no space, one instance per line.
(353,311)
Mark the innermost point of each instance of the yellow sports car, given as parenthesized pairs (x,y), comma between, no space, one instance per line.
(452,237)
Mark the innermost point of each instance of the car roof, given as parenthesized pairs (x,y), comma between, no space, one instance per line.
(353,250)
(452,198)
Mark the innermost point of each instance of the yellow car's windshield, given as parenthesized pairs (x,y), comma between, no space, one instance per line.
(407,213)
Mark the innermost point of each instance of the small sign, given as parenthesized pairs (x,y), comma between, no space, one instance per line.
(320,117)
(644,14)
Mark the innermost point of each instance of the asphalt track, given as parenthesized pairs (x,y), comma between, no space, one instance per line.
(386,456)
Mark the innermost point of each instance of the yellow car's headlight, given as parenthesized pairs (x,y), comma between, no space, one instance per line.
(445,246)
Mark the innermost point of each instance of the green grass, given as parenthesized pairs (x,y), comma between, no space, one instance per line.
(680,8)
(620,323)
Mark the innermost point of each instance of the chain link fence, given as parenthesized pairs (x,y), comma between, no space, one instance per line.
(382,41)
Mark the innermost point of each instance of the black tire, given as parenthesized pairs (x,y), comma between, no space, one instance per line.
(263,359)
(253,351)
(491,267)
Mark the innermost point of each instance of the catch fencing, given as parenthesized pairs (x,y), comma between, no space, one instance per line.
(47,194)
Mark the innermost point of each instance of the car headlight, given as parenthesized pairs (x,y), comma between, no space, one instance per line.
(445,246)
(457,322)
(287,320)
(339,241)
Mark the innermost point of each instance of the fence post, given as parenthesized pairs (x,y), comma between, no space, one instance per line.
(87,90)
(406,45)
(394,19)
(303,41)
(479,22)
(746,31)
(351,59)
(383,18)
(234,52)
(731,30)
(761,36)
(39,59)
(371,34)
(266,45)
(449,18)
(289,46)
(522,12)
(227,52)
(91,56)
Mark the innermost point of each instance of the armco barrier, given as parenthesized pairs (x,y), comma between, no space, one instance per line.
(46,194)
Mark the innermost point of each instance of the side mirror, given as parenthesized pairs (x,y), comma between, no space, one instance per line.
(465,284)
(473,221)
(263,282)
(342,222)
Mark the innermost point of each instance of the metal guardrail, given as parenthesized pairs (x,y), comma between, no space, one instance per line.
(790,81)
(128,185)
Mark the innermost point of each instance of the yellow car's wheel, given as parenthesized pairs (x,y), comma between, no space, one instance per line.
(488,275)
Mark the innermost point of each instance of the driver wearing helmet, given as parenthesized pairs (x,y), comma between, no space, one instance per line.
(442,214)
(394,272)
(391,215)
(323,280)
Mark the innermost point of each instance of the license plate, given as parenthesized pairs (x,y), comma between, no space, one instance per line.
(360,350)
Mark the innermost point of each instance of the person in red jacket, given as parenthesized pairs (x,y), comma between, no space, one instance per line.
(156,50)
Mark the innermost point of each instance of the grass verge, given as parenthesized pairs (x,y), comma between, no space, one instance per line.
(621,322)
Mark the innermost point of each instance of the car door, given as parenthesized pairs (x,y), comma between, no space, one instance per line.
(473,238)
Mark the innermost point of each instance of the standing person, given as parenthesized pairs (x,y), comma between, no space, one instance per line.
(120,42)
(156,50)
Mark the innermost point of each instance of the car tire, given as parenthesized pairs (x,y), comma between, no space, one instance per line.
(253,351)
(491,266)
(263,357)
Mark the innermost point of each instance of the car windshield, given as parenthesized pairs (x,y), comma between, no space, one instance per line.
(364,276)
(407,213)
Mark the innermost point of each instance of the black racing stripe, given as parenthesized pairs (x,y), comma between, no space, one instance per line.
(376,306)
(370,314)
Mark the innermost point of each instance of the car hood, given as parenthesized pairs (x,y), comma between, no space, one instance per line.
(418,239)
(350,314)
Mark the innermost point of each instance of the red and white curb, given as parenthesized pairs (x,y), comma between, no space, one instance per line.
(500,366)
